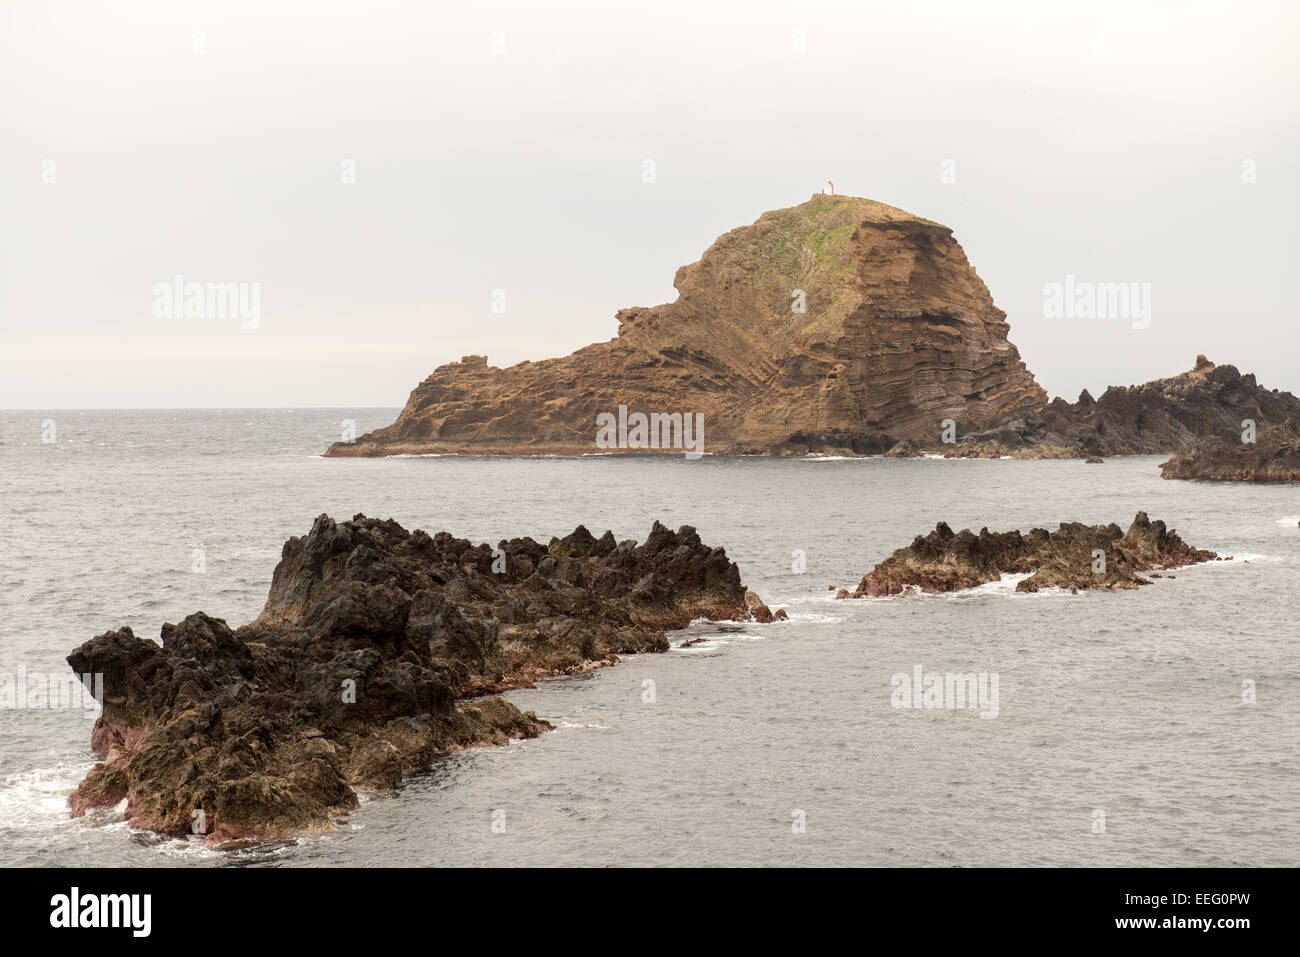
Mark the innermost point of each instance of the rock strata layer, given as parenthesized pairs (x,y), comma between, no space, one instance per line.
(1273,456)
(839,325)
(371,658)
(1070,557)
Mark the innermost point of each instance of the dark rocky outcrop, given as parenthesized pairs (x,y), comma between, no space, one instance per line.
(1206,403)
(945,561)
(1274,456)
(357,671)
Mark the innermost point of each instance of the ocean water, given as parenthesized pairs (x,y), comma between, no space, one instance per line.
(763,745)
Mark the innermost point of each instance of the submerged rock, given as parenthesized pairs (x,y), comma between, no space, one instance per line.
(349,679)
(1074,556)
(1274,456)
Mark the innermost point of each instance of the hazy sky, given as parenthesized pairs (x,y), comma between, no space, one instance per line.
(504,147)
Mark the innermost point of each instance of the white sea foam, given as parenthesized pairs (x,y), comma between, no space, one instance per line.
(1005,586)
(183,849)
(38,798)
(194,849)
(1289,521)
(812,617)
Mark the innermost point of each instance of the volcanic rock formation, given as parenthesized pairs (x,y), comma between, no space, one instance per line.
(1273,456)
(837,325)
(1206,403)
(349,678)
(945,561)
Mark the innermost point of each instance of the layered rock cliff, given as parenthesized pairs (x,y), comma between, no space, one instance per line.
(838,325)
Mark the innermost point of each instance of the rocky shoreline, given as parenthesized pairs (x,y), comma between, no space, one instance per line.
(373,655)
(1074,557)
(1274,456)
(1206,403)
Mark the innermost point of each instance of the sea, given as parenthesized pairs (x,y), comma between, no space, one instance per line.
(1159,726)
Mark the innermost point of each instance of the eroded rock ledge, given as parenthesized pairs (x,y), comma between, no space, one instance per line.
(946,561)
(350,678)
(1274,456)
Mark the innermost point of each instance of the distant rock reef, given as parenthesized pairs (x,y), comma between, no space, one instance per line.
(1075,556)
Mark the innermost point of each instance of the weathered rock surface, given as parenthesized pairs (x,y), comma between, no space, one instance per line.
(945,561)
(1274,456)
(898,346)
(1163,416)
(898,333)
(350,677)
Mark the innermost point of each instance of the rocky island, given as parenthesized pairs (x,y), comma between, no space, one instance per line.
(372,656)
(1074,556)
(1272,456)
(838,326)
